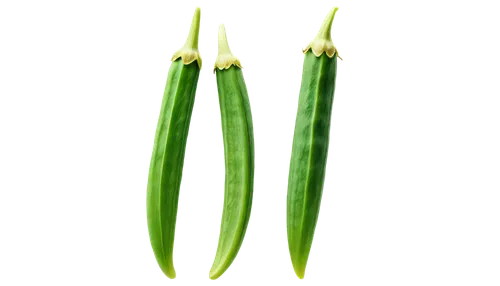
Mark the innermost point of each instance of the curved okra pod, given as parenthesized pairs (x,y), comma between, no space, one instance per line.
(310,144)
(237,130)
(165,170)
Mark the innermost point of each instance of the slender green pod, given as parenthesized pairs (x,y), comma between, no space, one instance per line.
(237,130)
(310,144)
(165,171)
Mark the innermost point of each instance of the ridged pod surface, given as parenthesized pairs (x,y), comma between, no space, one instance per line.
(167,160)
(237,130)
(310,144)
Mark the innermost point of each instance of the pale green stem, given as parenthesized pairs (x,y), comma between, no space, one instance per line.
(192,39)
(325,32)
(223,45)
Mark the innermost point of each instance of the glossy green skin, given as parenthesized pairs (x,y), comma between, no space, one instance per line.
(237,130)
(165,171)
(309,154)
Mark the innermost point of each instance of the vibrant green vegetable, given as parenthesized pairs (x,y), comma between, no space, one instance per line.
(310,144)
(237,130)
(165,170)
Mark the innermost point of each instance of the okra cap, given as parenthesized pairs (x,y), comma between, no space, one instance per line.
(225,59)
(189,52)
(323,42)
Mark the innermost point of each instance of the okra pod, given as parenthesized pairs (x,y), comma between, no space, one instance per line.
(237,130)
(310,144)
(167,160)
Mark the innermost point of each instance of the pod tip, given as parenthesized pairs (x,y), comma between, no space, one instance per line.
(211,277)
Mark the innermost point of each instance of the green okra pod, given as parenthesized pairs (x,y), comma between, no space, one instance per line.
(167,160)
(310,144)
(237,130)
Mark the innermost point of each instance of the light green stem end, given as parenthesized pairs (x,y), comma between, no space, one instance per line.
(323,41)
(325,32)
(225,59)
(192,40)
(189,52)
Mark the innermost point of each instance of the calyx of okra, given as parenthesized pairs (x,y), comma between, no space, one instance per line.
(190,49)
(323,40)
(225,56)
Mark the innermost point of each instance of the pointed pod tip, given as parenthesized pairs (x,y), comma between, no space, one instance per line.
(299,266)
(168,271)
(210,276)
(213,274)
(300,276)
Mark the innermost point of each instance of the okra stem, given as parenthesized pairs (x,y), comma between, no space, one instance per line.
(225,59)
(192,39)
(189,52)
(325,32)
(223,44)
(323,41)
